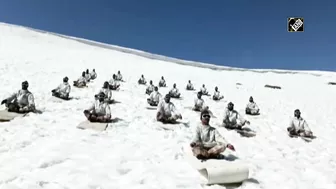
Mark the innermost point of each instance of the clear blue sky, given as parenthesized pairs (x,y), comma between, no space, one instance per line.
(239,33)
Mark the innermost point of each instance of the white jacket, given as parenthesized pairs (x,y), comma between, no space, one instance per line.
(150,88)
(216,94)
(142,79)
(81,80)
(107,92)
(64,89)
(101,108)
(162,82)
(167,109)
(231,117)
(24,98)
(199,103)
(203,90)
(119,77)
(87,77)
(299,124)
(93,75)
(252,106)
(113,82)
(155,96)
(174,91)
(190,86)
(208,136)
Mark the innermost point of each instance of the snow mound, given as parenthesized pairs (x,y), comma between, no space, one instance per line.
(48,151)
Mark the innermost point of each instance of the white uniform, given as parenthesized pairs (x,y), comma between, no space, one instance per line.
(199,103)
(299,124)
(142,79)
(155,96)
(64,89)
(167,109)
(113,82)
(107,92)
(231,118)
(87,77)
(252,106)
(119,77)
(208,136)
(150,88)
(216,94)
(81,81)
(204,90)
(101,108)
(24,98)
(162,82)
(190,86)
(93,75)
(174,91)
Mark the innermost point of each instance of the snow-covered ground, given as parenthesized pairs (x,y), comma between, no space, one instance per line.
(47,151)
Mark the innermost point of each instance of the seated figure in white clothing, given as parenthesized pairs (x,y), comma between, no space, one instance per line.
(142,80)
(299,126)
(63,90)
(21,101)
(93,74)
(99,111)
(199,104)
(162,82)
(81,82)
(119,77)
(190,86)
(217,95)
(252,108)
(207,141)
(233,119)
(174,92)
(87,76)
(150,88)
(114,83)
(204,90)
(108,93)
(166,111)
(154,97)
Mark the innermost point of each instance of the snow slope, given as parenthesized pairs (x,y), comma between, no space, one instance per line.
(47,151)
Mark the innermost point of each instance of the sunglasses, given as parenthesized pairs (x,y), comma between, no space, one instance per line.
(206,116)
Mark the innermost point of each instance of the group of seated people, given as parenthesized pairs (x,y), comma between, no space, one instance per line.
(85,78)
(23,102)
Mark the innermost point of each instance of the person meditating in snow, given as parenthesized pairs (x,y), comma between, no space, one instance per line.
(150,88)
(113,83)
(231,116)
(162,82)
(217,95)
(251,107)
(166,111)
(190,86)
(99,111)
(207,141)
(119,77)
(204,90)
(21,101)
(154,97)
(108,93)
(174,92)
(87,76)
(299,126)
(142,80)
(81,82)
(93,74)
(199,103)
(63,90)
